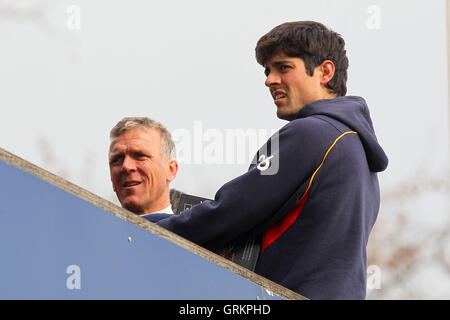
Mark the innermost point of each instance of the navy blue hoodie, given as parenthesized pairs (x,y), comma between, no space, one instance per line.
(313,197)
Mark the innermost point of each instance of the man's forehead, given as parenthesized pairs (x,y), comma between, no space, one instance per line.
(137,137)
(280,56)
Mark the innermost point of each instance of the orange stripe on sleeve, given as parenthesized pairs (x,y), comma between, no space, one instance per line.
(276,230)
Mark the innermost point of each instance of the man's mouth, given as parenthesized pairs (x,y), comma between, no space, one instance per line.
(130,184)
(278,95)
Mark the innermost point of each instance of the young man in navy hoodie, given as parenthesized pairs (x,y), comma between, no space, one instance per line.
(314,196)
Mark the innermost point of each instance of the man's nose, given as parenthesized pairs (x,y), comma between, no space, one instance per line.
(128,164)
(273,79)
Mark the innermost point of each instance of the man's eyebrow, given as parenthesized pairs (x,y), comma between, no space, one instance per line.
(114,155)
(277,63)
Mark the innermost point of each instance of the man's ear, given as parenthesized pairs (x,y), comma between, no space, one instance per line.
(326,72)
(172,169)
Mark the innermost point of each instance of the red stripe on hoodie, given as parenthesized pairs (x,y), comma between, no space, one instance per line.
(279,228)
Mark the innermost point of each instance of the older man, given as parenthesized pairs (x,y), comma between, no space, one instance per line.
(142,164)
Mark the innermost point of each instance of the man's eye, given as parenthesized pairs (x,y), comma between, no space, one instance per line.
(284,67)
(115,160)
(141,156)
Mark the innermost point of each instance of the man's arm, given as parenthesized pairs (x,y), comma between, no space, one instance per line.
(252,202)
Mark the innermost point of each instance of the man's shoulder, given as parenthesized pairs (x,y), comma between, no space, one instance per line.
(312,128)
(155,217)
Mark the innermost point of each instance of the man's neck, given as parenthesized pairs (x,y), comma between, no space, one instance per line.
(166,209)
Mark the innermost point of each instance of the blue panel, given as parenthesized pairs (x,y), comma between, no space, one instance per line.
(44,230)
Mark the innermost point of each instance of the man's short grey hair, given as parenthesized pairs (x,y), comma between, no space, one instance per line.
(168,146)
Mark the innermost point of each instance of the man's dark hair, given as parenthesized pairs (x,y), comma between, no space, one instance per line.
(313,43)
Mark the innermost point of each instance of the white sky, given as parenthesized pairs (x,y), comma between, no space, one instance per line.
(182,61)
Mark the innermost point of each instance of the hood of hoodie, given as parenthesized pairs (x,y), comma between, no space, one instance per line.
(353,112)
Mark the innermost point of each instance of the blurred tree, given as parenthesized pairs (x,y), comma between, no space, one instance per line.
(410,241)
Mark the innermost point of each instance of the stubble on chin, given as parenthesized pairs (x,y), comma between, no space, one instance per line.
(132,206)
